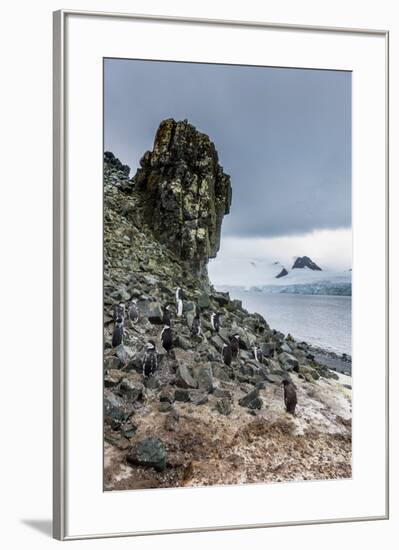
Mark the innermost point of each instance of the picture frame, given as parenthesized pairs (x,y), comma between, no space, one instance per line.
(72,434)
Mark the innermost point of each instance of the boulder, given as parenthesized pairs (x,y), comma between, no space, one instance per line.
(222,298)
(152,311)
(285,347)
(268,349)
(112,377)
(149,452)
(132,389)
(203,301)
(204,377)
(182,394)
(172,421)
(112,362)
(184,378)
(167,395)
(165,407)
(222,394)
(224,406)
(288,361)
(115,407)
(218,342)
(251,400)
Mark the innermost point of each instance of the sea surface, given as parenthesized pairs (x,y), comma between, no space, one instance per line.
(323,321)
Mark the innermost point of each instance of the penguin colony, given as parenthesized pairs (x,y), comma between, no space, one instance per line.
(150,359)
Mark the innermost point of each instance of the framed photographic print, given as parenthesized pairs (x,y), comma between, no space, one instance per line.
(220,303)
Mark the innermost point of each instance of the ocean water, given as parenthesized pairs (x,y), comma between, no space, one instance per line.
(324,321)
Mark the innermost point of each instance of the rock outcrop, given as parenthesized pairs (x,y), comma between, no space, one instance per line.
(305,261)
(282,273)
(184,193)
(195,420)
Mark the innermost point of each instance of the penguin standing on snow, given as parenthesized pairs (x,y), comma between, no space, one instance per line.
(215,321)
(235,344)
(258,355)
(167,338)
(196,324)
(117,335)
(179,301)
(290,398)
(227,355)
(133,312)
(150,360)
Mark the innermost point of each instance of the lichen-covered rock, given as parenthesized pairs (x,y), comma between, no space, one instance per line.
(149,452)
(184,193)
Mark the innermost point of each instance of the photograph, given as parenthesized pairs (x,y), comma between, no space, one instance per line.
(227,274)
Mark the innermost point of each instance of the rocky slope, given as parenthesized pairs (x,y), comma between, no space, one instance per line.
(197,421)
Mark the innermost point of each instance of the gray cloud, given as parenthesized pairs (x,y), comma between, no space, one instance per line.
(284,135)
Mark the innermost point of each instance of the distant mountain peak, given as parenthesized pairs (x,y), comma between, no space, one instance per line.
(305,261)
(282,273)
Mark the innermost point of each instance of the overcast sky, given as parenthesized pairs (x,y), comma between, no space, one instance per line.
(283,135)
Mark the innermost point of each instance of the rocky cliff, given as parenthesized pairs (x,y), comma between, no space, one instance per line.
(184,193)
(196,420)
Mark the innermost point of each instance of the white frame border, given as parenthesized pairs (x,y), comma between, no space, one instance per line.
(59,264)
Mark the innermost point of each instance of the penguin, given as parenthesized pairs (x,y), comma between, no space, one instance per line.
(167,338)
(290,398)
(235,344)
(179,301)
(179,308)
(119,312)
(227,355)
(215,321)
(166,315)
(150,359)
(117,335)
(196,326)
(179,294)
(258,355)
(133,312)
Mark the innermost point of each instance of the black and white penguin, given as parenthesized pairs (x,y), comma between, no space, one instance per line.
(167,338)
(133,312)
(150,359)
(167,315)
(117,335)
(227,354)
(258,355)
(196,326)
(119,312)
(215,321)
(290,398)
(235,344)
(179,301)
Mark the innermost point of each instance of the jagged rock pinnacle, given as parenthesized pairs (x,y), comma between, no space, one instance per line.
(184,193)
(305,261)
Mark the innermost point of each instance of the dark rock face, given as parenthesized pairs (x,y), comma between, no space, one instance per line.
(111,160)
(305,261)
(184,193)
(282,273)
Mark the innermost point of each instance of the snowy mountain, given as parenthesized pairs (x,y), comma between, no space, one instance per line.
(309,281)
(274,277)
